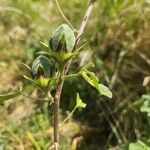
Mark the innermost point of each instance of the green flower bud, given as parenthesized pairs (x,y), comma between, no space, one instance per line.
(43,69)
(42,81)
(41,66)
(63,39)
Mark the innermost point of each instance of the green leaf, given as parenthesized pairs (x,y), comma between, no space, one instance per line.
(90,77)
(31,80)
(26,66)
(93,80)
(43,63)
(132,106)
(103,90)
(36,0)
(145,107)
(63,34)
(88,65)
(79,102)
(135,146)
(146,96)
(3,98)
(139,145)
(46,45)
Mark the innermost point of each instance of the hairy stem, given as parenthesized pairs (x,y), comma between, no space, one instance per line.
(65,70)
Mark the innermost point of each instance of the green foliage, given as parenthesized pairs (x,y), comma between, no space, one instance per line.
(115,26)
(62,43)
(103,90)
(145,107)
(141,104)
(139,145)
(43,66)
(6,97)
(37,0)
(30,80)
(79,102)
(93,80)
(44,73)
(63,39)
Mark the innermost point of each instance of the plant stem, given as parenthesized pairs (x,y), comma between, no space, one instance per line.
(65,70)
(84,21)
(61,12)
(71,75)
(56,113)
(70,115)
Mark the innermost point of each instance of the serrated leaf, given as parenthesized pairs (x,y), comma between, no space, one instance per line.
(65,35)
(79,102)
(103,90)
(43,63)
(3,98)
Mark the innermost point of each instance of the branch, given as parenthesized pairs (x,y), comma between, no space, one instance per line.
(65,70)
(81,29)
(84,21)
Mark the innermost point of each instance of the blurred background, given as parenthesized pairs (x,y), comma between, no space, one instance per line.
(118,42)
